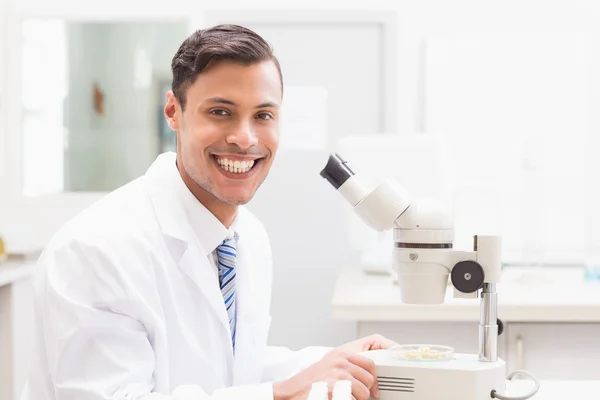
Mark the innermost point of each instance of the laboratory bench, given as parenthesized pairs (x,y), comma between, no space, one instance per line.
(550,316)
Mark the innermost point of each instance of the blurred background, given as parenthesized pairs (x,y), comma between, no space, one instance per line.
(489,107)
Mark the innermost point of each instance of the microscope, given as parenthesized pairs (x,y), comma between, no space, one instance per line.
(423,259)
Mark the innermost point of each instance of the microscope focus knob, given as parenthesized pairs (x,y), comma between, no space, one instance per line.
(467,276)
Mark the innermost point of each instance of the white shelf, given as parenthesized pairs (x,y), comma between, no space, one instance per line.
(524,295)
(12,271)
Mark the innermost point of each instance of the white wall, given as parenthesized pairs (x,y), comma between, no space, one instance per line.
(554,19)
(418,20)
(3,105)
(3,99)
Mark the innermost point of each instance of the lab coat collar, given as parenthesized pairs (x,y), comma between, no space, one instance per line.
(167,205)
(162,178)
(168,189)
(209,230)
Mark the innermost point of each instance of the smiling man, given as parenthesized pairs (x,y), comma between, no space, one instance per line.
(226,121)
(162,289)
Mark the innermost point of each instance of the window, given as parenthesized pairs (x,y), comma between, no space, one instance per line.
(44,83)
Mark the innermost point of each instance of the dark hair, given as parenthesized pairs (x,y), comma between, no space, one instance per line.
(222,42)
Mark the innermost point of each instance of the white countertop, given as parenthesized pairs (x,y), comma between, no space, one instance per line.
(524,295)
(12,271)
(556,390)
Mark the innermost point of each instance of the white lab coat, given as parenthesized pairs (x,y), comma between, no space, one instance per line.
(128,306)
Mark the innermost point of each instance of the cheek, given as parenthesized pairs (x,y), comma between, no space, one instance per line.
(202,133)
(269,137)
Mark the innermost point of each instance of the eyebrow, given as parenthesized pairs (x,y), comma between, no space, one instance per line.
(221,100)
(268,104)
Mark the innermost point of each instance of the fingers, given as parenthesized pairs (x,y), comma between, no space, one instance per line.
(364,370)
(378,342)
(363,362)
(359,390)
(364,377)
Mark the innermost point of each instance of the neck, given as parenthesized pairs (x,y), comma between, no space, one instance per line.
(223,211)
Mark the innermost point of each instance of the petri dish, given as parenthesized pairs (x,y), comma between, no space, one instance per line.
(422,352)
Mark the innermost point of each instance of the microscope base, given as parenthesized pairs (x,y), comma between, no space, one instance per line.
(462,378)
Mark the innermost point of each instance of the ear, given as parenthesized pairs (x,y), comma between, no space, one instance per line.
(172,111)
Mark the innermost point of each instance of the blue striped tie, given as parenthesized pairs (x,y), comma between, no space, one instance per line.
(226,256)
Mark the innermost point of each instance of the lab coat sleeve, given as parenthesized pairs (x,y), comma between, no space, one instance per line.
(96,347)
(282,363)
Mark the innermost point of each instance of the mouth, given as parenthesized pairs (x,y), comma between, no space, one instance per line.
(237,167)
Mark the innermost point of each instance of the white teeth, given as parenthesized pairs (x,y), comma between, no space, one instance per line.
(237,166)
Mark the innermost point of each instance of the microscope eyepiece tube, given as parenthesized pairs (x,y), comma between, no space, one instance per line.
(342,178)
(337,172)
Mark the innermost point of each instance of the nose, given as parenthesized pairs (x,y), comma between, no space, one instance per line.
(244,136)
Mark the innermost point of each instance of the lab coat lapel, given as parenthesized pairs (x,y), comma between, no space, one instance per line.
(195,264)
(244,321)
(181,241)
(250,327)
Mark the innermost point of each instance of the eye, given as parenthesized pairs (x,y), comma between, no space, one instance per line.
(264,116)
(219,112)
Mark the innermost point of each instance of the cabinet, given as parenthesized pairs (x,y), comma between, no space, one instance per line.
(23,324)
(16,329)
(555,351)
(6,359)
(551,351)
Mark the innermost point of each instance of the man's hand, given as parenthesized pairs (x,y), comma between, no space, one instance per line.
(342,363)
(373,342)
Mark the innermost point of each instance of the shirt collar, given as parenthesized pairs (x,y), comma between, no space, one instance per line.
(208,229)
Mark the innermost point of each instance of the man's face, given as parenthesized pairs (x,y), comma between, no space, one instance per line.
(227,137)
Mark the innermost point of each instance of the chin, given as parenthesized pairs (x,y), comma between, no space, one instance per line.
(236,199)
